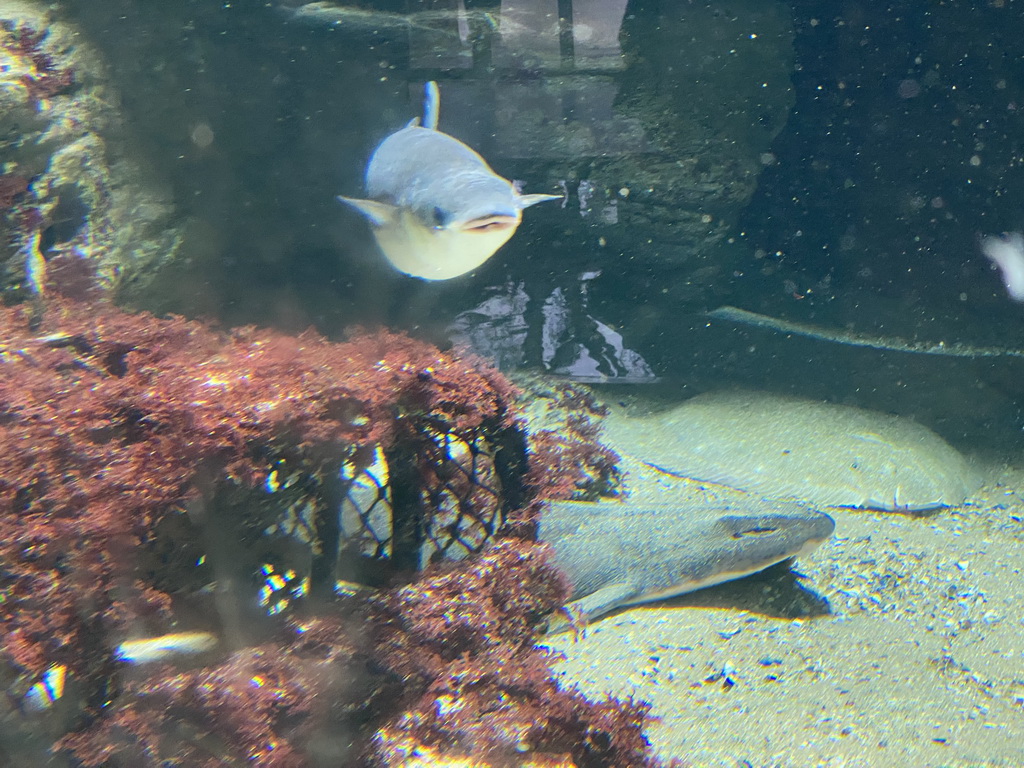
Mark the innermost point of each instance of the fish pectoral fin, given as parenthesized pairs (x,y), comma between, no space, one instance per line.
(590,607)
(525,201)
(377,212)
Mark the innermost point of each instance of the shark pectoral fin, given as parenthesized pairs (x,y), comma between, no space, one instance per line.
(525,201)
(377,212)
(590,607)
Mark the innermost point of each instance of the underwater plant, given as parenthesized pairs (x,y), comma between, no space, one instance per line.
(568,459)
(138,456)
(476,686)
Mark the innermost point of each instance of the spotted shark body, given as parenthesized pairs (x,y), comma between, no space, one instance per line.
(621,554)
(436,208)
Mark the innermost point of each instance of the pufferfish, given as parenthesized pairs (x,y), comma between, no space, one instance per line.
(436,208)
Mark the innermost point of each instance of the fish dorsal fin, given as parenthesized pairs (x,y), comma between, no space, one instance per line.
(377,212)
(431,105)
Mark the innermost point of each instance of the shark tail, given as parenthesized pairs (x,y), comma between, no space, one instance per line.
(431,105)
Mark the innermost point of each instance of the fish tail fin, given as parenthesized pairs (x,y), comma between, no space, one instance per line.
(431,105)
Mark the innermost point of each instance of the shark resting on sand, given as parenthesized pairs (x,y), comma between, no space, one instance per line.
(436,208)
(620,554)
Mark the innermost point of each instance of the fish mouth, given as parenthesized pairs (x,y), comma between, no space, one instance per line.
(492,223)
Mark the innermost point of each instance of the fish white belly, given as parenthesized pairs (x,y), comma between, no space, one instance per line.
(436,254)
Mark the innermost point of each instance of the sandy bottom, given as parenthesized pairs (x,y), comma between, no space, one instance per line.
(900,642)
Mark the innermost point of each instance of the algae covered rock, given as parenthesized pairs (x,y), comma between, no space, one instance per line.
(77,190)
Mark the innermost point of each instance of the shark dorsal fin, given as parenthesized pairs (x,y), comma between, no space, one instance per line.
(431,105)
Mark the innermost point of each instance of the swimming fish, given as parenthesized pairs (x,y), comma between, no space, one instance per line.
(149,650)
(48,690)
(622,554)
(1007,253)
(437,209)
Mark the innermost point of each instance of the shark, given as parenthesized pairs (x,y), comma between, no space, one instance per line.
(436,208)
(360,20)
(614,555)
(620,554)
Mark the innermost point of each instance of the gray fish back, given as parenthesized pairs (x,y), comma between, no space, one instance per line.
(424,170)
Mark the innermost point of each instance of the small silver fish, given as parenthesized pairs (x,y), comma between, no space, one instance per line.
(149,650)
(437,209)
(35,263)
(48,690)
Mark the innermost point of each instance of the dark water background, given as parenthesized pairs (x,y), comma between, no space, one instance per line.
(899,146)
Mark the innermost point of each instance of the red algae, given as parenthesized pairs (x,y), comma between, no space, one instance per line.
(118,429)
(476,686)
(571,462)
(44,79)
